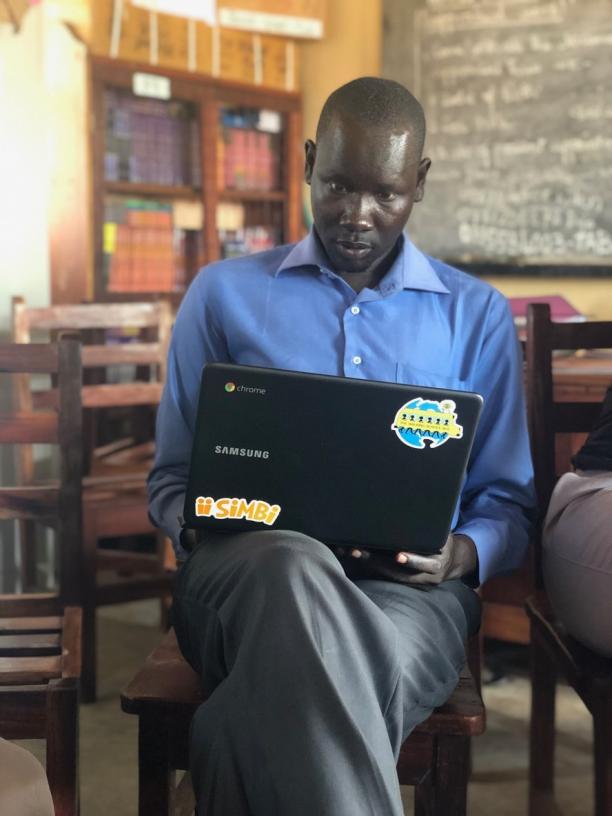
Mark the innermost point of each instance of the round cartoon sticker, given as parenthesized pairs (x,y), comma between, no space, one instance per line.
(420,420)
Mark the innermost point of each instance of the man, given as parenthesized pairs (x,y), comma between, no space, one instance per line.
(315,677)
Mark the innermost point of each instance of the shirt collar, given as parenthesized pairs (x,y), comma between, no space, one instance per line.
(307,252)
(410,270)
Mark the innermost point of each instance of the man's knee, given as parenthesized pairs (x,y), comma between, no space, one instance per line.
(285,553)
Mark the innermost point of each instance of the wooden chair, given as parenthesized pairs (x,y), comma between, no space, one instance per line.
(40,635)
(114,486)
(165,693)
(504,616)
(553,651)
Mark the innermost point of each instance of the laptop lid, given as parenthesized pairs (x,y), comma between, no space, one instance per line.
(343,460)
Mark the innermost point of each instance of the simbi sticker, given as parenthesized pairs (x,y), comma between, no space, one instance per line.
(420,420)
(255,510)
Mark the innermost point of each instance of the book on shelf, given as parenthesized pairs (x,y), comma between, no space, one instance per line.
(248,157)
(143,250)
(149,141)
(561,310)
(247,241)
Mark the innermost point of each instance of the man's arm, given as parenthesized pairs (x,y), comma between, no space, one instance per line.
(196,340)
(498,498)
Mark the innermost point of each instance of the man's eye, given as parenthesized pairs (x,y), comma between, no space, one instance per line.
(385,196)
(336,187)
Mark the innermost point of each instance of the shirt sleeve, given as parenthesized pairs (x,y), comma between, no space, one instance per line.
(498,499)
(196,340)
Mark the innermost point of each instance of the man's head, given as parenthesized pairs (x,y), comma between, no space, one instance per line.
(366,171)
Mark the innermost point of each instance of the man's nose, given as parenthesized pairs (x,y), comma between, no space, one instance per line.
(356,215)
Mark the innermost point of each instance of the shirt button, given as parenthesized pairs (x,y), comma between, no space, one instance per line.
(357,359)
(355,310)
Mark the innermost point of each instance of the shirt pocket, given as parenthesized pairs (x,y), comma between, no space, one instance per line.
(408,374)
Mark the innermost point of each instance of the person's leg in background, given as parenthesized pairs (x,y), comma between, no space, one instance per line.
(313,685)
(24,790)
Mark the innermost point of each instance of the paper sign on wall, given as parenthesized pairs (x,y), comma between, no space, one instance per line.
(152,85)
(281,25)
(205,10)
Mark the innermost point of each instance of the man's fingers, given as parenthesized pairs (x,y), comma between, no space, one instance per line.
(421,578)
(422,563)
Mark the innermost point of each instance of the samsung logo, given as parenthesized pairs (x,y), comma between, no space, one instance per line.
(251,453)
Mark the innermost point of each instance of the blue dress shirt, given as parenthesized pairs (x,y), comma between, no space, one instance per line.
(425,323)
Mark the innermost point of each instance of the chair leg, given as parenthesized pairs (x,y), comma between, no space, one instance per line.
(165,615)
(27,555)
(63,746)
(168,564)
(156,779)
(88,603)
(89,682)
(445,791)
(602,749)
(424,798)
(542,727)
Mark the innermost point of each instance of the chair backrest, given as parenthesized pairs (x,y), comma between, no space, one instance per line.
(547,415)
(60,502)
(154,318)
(148,354)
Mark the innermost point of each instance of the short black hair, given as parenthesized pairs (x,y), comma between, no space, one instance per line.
(374,101)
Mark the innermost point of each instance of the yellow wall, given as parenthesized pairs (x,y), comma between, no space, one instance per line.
(591,296)
(351,48)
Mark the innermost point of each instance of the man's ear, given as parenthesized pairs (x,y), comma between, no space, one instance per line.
(310,154)
(424,166)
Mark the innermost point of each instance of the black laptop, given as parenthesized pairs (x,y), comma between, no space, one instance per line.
(343,460)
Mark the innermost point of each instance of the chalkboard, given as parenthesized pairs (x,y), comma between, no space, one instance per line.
(518,98)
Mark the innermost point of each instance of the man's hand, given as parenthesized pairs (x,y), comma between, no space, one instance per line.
(457,558)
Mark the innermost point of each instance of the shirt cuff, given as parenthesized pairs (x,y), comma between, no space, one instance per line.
(488,556)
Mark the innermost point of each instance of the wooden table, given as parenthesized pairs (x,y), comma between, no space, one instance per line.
(579,378)
(582,377)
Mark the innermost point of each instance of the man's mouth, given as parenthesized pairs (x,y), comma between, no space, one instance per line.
(353,249)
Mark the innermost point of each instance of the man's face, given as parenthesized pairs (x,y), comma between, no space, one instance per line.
(363,185)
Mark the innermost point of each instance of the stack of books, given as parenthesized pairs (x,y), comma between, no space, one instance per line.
(247,240)
(149,141)
(247,156)
(143,252)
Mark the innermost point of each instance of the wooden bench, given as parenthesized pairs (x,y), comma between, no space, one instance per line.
(115,502)
(40,633)
(166,691)
(39,694)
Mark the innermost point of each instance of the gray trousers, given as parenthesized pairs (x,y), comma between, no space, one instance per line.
(314,679)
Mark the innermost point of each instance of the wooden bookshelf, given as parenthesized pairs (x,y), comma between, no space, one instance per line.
(252,195)
(130,188)
(213,171)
